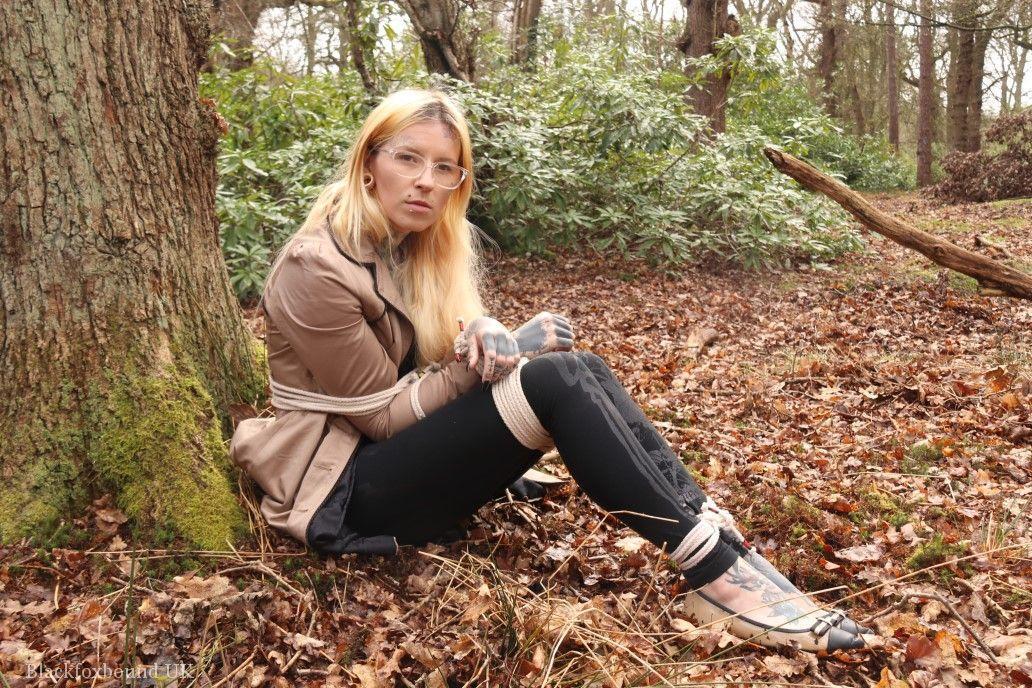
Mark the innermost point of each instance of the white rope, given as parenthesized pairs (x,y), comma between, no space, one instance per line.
(414,400)
(517,413)
(295,399)
(720,518)
(699,542)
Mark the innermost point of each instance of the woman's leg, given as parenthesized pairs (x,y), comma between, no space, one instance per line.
(427,477)
(422,481)
(597,431)
(671,467)
(658,449)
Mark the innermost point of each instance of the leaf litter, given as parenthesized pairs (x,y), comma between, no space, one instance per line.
(867,422)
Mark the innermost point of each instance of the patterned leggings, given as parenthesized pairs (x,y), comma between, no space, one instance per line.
(420,482)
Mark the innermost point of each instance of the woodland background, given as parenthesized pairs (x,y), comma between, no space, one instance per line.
(864,413)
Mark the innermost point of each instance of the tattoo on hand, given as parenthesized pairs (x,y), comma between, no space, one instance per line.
(543,333)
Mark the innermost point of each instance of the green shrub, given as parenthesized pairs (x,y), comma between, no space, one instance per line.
(594,150)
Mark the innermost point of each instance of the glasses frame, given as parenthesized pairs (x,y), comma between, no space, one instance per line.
(393,152)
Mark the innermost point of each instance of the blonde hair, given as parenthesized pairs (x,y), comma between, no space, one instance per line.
(440,273)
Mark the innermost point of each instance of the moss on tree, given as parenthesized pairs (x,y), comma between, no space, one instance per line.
(150,435)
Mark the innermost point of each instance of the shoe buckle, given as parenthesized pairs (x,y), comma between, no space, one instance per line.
(826,622)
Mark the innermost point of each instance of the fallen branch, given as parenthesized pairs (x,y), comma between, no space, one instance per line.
(995,279)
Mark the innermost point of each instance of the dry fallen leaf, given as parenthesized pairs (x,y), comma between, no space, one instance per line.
(872,552)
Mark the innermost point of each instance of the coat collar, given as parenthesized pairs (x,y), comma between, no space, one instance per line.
(368,256)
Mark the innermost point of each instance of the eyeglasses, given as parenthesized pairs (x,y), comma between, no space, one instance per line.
(412,165)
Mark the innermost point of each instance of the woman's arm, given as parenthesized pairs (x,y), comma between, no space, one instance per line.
(318,312)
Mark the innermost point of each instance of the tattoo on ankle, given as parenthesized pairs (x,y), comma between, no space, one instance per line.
(746,579)
(770,594)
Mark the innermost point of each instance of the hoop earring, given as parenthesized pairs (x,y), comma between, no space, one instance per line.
(367,181)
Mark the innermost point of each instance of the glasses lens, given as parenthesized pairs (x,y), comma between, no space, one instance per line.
(448,176)
(411,165)
(408,164)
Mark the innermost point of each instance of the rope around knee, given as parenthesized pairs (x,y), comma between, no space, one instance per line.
(517,413)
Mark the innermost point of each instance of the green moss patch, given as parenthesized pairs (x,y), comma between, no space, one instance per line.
(157,447)
(933,552)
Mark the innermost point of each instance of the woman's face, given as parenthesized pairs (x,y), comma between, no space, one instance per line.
(401,197)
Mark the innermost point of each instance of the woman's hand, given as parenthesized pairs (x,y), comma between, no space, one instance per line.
(543,333)
(489,347)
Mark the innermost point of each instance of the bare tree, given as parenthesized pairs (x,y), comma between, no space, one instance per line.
(968,37)
(708,20)
(447,49)
(891,72)
(925,96)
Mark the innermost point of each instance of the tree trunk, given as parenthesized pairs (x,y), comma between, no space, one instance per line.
(925,97)
(891,69)
(446,49)
(525,14)
(959,78)
(706,21)
(829,54)
(359,44)
(857,101)
(975,92)
(1019,73)
(121,343)
(310,33)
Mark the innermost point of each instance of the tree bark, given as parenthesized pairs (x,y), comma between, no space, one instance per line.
(976,92)
(891,70)
(121,343)
(446,49)
(829,54)
(958,78)
(925,97)
(706,21)
(995,278)
(525,14)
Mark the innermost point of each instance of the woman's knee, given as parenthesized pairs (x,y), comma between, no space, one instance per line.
(554,361)
(593,361)
(571,365)
(554,374)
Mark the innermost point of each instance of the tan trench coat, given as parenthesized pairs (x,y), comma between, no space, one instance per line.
(336,325)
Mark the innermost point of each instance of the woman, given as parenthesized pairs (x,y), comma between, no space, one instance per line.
(364,452)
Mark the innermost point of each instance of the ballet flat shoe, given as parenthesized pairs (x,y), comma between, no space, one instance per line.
(822,634)
(841,621)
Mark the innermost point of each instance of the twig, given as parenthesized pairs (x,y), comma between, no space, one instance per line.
(240,667)
(1003,613)
(260,567)
(956,614)
(297,654)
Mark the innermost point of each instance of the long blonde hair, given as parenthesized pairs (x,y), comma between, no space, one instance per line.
(441,272)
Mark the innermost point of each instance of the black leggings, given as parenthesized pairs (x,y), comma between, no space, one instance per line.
(425,479)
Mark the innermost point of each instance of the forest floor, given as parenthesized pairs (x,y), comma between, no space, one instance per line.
(868,422)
